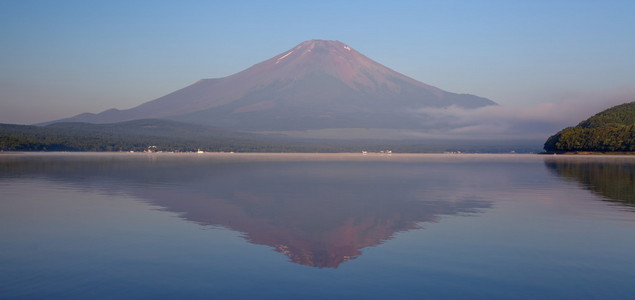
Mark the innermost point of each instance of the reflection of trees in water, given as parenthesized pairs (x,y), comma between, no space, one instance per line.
(614,180)
(318,214)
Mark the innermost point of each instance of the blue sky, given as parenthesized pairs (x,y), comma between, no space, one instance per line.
(61,58)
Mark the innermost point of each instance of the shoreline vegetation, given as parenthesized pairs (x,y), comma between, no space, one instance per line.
(610,131)
(154,135)
(588,153)
(361,154)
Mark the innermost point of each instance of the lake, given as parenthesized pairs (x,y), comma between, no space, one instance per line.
(311,226)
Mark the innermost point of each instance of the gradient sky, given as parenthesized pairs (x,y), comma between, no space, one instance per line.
(62,58)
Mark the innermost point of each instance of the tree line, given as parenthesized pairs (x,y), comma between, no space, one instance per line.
(612,130)
(604,139)
(168,136)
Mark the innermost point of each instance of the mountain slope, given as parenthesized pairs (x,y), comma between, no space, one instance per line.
(317,84)
(149,128)
(612,130)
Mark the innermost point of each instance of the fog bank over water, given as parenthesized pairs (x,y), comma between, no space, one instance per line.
(502,122)
(530,122)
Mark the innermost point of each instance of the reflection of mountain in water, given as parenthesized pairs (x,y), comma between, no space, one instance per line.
(611,179)
(317,213)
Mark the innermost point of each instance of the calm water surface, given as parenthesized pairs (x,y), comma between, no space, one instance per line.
(307,226)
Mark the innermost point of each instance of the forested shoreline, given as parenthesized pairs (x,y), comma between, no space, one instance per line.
(168,136)
(612,130)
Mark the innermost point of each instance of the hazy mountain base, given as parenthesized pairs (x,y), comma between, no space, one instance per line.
(395,134)
(161,135)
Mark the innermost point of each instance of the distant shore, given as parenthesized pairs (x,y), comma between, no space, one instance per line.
(588,153)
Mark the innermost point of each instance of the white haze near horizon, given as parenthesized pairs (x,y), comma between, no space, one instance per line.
(531,122)
(535,122)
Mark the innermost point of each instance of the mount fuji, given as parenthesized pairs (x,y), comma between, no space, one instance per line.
(318,84)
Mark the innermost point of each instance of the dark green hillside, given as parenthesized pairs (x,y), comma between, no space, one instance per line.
(135,135)
(616,116)
(612,130)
